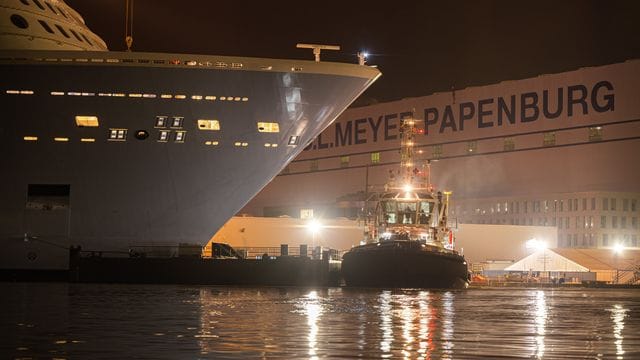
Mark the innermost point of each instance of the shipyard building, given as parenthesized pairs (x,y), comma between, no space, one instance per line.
(557,150)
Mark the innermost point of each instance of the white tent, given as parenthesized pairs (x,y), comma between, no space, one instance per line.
(546,260)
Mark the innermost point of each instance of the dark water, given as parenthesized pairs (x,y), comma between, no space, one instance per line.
(89,321)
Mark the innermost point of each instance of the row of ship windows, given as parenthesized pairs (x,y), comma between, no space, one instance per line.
(51,7)
(22,23)
(135,95)
(177,122)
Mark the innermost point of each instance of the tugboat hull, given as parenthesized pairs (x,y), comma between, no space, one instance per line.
(403,265)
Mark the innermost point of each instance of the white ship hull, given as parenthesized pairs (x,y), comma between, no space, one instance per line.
(108,194)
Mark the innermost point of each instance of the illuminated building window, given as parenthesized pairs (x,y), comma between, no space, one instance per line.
(509,144)
(180,135)
(205,124)
(176,122)
(163,135)
(269,127)
(375,158)
(437,151)
(293,140)
(344,161)
(549,139)
(161,121)
(472,146)
(313,166)
(595,133)
(87,121)
(117,134)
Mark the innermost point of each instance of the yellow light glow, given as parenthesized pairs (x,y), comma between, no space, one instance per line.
(196,97)
(166,96)
(87,121)
(407,187)
(210,97)
(135,95)
(237,143)
(57,93)
(206,124)
(180,97)
(61,139)
(270,127)
(88,140)
(618,248)
(30,138)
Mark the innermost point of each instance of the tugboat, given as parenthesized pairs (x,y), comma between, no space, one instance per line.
(407,240)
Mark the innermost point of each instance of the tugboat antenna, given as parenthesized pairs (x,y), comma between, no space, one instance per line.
(128,24)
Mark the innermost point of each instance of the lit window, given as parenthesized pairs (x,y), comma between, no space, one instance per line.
(244,144)
(437,151)
(344,161)
(245,99)
(268,127)
(61,139)
(166,96)
(135,95)
(375,158)
(117,134)
(472,146)
(30,138)
(237,143)
(180,97)
(87,121)
(595,133)
(210,97)
(149,96)
(161,121)
(163,136)
(211,143)
(57,93)
(196,97)
(88,140)
(293,140)
(206,124)
(177,122)
(549,139)
(180,135)
(509,144)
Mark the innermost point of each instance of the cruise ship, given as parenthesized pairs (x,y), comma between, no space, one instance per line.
(109,150)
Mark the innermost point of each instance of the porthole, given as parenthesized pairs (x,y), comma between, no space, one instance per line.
(142,134)
(19,21)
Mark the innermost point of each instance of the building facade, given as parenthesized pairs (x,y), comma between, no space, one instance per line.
(557,150)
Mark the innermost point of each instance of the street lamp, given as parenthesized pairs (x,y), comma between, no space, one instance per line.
(539,245)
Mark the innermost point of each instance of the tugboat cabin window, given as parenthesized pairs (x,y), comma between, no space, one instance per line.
(407,212)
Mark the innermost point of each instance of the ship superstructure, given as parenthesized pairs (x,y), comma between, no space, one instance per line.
(408,241)
(107,150)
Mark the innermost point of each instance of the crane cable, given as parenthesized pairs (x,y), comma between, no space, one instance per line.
(128,24)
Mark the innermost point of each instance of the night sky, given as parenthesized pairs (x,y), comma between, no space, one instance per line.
(420,46)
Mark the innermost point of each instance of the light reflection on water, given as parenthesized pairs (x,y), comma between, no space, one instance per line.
(167,322)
